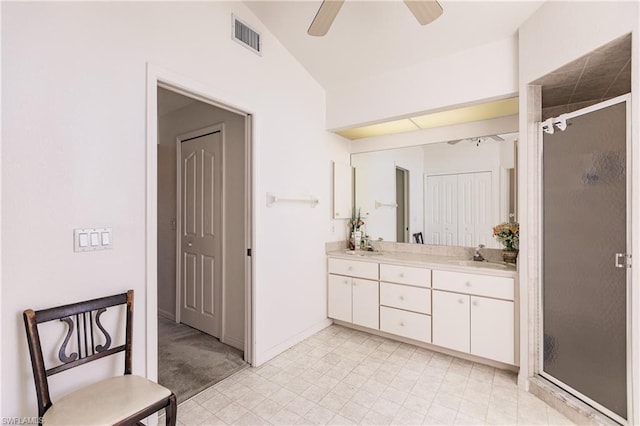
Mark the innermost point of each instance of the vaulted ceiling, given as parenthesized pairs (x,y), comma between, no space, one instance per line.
(373,37)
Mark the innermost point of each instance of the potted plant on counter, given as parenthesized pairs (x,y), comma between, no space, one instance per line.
(508,234)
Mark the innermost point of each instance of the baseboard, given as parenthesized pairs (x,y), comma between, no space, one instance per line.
(167,314)
(232,341)
(261,358)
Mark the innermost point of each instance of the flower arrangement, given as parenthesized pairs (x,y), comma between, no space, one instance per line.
(508,234)
(356,222)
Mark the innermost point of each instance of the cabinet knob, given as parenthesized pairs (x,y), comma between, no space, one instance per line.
(401,297)
(460,301)
(346,281)
(401,324)
(337,213)
(475,303)
(349,268)
(401,274)
(468,283)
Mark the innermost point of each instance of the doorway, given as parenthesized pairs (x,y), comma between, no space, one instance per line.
(203,268)
(586,224)
(402,203)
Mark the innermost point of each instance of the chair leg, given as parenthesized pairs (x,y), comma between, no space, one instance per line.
(171,411)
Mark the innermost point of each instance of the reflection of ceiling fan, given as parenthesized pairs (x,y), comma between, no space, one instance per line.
(478,140)
(425,11)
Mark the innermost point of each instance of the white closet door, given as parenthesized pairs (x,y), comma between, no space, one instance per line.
(474,209)
(441,210)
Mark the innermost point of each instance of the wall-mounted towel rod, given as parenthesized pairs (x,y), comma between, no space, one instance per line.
(272,199)
(379,204)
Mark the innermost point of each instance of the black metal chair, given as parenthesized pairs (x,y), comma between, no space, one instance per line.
(417,237)
(120,400)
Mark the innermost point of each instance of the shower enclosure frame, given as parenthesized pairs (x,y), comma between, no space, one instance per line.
(632,305)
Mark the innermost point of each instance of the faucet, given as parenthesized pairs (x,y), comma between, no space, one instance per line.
(477,256)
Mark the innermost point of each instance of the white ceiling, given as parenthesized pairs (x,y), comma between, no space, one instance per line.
(372,37)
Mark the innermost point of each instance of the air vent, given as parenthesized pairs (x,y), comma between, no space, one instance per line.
(245,35)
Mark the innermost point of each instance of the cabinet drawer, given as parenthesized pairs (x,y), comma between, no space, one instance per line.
(353,268)
(406,324)
(481,285)
(405,297)
(405,275)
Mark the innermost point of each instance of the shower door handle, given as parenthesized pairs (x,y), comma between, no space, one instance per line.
(621,260)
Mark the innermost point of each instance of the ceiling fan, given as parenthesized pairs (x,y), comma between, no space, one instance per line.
(425,11)
(478,140)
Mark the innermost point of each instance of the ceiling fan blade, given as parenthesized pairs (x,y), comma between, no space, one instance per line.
(324,18)
(425,11)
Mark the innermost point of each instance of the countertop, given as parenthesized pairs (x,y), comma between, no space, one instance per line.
(447,263)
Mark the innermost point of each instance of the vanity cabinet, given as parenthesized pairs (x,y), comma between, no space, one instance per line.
(350,298)
(474,313)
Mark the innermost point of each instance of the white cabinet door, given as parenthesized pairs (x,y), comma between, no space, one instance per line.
(339,298)
(492,329)
(451,319)
(342,190)
(365,303)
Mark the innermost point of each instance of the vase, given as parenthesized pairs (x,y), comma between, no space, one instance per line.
(510,256)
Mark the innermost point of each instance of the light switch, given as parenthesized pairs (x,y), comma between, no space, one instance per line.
(92,239)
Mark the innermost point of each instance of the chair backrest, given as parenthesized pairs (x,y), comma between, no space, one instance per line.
(80,317)
(418,238)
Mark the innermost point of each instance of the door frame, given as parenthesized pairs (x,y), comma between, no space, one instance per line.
(221,308)
(633,364)
(159,77)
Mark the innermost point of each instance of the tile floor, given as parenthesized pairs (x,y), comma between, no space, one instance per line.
(341,376)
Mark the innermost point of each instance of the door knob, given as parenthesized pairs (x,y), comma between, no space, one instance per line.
(189,244)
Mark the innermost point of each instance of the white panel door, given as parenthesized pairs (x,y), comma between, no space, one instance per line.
(485,218)
(365,303)
(492,329)
(201,275)
(475,219)
(449,206)
(451,318)
(441,210)
(339,298)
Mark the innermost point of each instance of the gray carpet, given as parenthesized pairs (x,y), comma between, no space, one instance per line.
(190,361)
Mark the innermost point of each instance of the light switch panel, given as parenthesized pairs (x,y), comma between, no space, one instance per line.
(92,239)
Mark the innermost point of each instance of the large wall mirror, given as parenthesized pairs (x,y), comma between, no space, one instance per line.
(453,192)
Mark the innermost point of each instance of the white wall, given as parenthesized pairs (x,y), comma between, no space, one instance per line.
(558,33)
(376,181)
(193,117)
(482,73)
(74,116)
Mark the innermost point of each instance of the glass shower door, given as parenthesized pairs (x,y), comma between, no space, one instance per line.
(584,301)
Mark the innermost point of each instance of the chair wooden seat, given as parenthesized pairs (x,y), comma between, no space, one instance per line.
(106,402)
(121,400)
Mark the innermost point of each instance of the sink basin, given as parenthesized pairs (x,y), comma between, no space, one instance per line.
(484,264)
(364,253)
